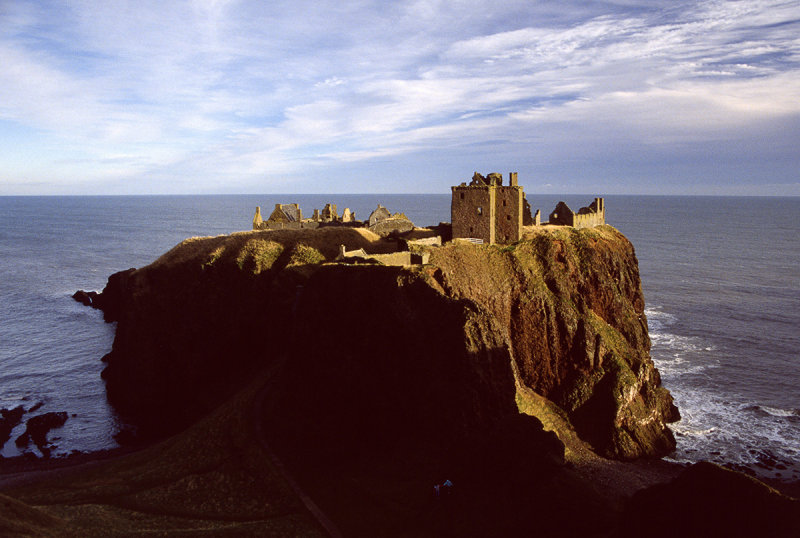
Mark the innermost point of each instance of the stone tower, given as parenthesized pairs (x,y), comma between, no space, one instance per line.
(488,210)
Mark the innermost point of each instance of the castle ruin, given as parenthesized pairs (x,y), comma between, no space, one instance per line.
(586,217)
(485,211)
(289,216)
(488,210)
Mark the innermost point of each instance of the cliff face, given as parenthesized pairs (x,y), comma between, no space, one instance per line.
(571,307)
(431,351)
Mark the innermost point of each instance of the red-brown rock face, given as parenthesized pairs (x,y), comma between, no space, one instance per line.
(571,305)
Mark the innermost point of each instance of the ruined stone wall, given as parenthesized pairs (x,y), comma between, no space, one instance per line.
(271,225)
(472,212)
(392,225)
(586,217)
(394,258)
(508,214)
(594,215)
(586,220)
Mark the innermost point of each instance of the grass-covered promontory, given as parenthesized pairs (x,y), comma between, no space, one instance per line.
(563,307)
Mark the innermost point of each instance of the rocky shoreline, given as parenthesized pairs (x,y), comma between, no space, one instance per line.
(37,428)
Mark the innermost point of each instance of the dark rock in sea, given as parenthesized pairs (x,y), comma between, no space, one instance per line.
(82,297)
(9,418)
(37,429)
(111,300)
(36,407)
(711,501)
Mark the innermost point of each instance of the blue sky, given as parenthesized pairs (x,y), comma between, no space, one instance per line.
(325,96)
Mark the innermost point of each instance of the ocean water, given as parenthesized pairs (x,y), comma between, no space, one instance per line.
(719,274)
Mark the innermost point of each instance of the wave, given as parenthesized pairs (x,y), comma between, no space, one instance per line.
(13,397)
(676,367)
(673,354)
(688,431)
(680,343)
(761,438)
(657,319)
(772,411)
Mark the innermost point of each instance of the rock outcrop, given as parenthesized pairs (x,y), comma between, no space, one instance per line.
(709,500)
(9,418)
(560,312)
(572,311)
(37,428)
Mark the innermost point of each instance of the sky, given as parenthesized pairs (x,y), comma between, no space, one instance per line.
(217,96)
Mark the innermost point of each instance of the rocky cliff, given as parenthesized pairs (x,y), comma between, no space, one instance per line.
(448,343)
(571,308)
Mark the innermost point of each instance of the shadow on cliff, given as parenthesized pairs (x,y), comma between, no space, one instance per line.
(375,404)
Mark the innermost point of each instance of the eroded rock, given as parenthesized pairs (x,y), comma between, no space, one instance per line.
(37,429)
(9,418)
(709,500)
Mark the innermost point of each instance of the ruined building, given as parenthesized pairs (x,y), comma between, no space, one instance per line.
(282,217)
(289,216)
(286,213)
(384,223)
(586,217)
(488,210)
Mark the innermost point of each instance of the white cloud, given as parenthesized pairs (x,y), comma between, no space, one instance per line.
(223,89)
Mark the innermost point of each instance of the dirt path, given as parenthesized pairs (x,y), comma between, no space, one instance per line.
(261,435)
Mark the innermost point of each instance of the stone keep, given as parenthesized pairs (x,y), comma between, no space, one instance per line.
(488,210)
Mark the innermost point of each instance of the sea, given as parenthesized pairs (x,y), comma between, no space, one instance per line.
(721,279)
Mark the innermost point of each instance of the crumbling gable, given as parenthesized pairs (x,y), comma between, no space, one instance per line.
(378,215)
(383,223)
(487,210)
(586,217)
(329,213)
(286,213)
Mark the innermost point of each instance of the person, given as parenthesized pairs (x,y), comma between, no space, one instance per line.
(442,490)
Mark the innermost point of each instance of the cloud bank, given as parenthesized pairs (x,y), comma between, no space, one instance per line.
(223,96)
